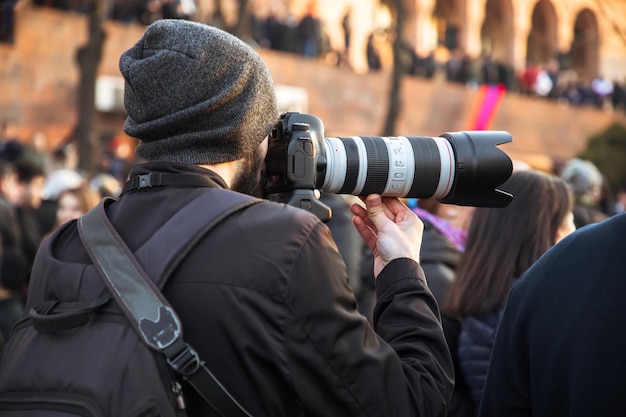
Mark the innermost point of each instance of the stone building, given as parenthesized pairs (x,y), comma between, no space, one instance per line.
(585,36)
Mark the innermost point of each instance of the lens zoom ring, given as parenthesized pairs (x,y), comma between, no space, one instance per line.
(377,165)
(427,167)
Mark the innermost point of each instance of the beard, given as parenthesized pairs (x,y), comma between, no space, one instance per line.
(250,177)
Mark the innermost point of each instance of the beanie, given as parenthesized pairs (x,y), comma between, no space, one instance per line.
(195,94)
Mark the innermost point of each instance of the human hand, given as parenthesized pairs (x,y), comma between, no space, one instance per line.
(390,229)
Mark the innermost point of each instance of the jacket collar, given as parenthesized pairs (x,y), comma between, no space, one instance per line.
(168,174)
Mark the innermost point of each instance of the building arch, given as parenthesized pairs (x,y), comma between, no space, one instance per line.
(542,43)
(583,56)
(497,34)
(450,19)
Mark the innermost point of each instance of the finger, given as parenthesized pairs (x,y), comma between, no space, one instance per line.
(396,209)
(394,205)
(365,231)
(357,210)
(361,212)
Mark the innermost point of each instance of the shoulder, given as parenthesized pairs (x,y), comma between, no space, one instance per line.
(589,260)
(607,228)
(588,246)
(274,228)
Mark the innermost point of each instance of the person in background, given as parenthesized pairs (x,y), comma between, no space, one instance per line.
(502,243)
(74,202)
(445,234)
(620,200)
(106,184)
(8,133)
(559,350)
(13,276)
(13,262)
(309,32)
(31,179)
(37,150)
(56,182)
(10,232)
(118,159)
(586,182)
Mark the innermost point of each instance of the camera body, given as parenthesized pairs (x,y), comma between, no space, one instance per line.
(462,168)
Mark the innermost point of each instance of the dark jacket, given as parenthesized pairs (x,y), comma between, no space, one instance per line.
(559,349)
(474,350)
(265,300)
(439,259)
(10,234)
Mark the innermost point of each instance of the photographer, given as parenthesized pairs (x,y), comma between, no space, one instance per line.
(264,298)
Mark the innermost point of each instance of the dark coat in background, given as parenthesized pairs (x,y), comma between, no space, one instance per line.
(474,351)
(439,259)
(559,349)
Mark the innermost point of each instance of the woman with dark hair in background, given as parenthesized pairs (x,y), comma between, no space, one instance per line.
(502,243)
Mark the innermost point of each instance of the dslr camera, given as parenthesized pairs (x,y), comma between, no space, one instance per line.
(462,168)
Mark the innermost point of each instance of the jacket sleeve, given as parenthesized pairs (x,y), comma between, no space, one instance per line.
(339,364)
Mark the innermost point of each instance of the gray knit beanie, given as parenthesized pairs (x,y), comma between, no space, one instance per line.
(196,94)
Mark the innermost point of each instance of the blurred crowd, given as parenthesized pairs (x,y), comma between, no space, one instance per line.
(549,80)
(41,189)
(304,35)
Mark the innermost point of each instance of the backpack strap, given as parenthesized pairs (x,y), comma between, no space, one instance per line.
(168,246)
(149,313)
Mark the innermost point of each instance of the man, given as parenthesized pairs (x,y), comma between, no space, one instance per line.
(13,262)
(264,298)
(559,347)
(31,178)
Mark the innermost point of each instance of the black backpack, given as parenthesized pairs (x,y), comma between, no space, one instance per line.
(91,358)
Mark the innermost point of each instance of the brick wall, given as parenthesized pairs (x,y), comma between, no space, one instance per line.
(38,76)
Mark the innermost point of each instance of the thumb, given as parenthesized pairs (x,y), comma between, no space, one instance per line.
(375,210)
